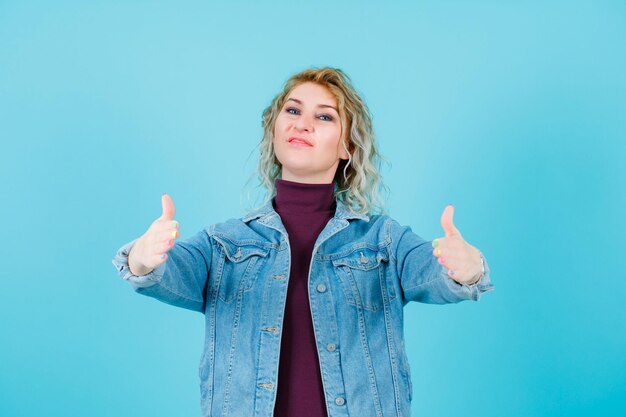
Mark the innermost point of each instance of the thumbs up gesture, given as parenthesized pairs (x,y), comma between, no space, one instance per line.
(460,258)
(150,250)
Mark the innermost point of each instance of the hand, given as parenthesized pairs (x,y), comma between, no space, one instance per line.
(150,250)
(462,259)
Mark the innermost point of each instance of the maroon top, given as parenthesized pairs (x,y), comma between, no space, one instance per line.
(304,209)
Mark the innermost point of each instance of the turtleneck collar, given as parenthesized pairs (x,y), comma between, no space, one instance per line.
(300,197)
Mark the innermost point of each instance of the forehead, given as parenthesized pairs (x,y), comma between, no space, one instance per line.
(313,93)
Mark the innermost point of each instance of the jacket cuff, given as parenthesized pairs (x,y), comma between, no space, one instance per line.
(471,291)
(120,261)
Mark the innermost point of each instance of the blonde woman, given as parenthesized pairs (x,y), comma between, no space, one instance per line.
(304,296)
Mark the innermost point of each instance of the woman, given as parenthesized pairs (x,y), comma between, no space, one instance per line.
(304,296)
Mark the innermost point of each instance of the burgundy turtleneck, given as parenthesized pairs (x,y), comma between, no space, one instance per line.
(304,210)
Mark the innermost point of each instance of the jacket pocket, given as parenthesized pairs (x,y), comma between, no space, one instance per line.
(363,277)
(240,263)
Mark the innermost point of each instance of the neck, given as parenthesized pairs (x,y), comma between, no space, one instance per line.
(292,196)
(309,178)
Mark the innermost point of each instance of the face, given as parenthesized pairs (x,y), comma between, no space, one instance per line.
(307,135)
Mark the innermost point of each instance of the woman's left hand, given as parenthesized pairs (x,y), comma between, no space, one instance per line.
(453,252)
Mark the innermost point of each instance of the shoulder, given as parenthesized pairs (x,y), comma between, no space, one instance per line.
(381,222)
(389,230)
(379,228)
(231,228)
(241,233)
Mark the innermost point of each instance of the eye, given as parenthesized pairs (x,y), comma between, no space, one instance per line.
(326,117)
(292,110)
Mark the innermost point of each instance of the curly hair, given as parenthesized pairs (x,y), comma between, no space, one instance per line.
(358,183)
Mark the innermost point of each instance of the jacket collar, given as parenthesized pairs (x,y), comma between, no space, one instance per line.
(267,210)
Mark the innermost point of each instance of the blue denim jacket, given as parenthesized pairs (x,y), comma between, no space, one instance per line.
(364,270)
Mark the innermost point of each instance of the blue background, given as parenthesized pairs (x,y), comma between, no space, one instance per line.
(513,111)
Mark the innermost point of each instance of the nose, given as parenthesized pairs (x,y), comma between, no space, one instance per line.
(304,123)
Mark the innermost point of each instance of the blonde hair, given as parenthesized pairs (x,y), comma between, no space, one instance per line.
(358,183)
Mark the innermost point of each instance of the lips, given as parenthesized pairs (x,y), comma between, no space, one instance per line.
(299,141)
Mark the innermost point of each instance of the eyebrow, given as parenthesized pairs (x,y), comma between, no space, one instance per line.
(319,105)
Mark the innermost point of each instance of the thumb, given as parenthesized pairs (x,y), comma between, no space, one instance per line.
(447,221)
(168,207)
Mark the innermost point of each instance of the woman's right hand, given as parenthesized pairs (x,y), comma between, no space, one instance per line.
(150,250)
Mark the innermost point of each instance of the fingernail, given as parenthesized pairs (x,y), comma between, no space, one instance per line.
(435,243)
(174,233)
(175,223)
(163,256)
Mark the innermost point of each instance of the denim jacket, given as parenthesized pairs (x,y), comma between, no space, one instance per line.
(363,271)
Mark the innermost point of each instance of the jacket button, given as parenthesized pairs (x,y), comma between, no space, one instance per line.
(331,347)
(321,288)
(340,401)
(363,259)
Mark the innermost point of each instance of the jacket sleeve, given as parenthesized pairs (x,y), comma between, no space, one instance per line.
(425,280)
(180,280)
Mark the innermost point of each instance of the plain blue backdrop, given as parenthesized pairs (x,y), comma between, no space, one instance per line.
(515,112)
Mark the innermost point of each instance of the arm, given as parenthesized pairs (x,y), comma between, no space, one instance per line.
(423,278)
(180,280)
